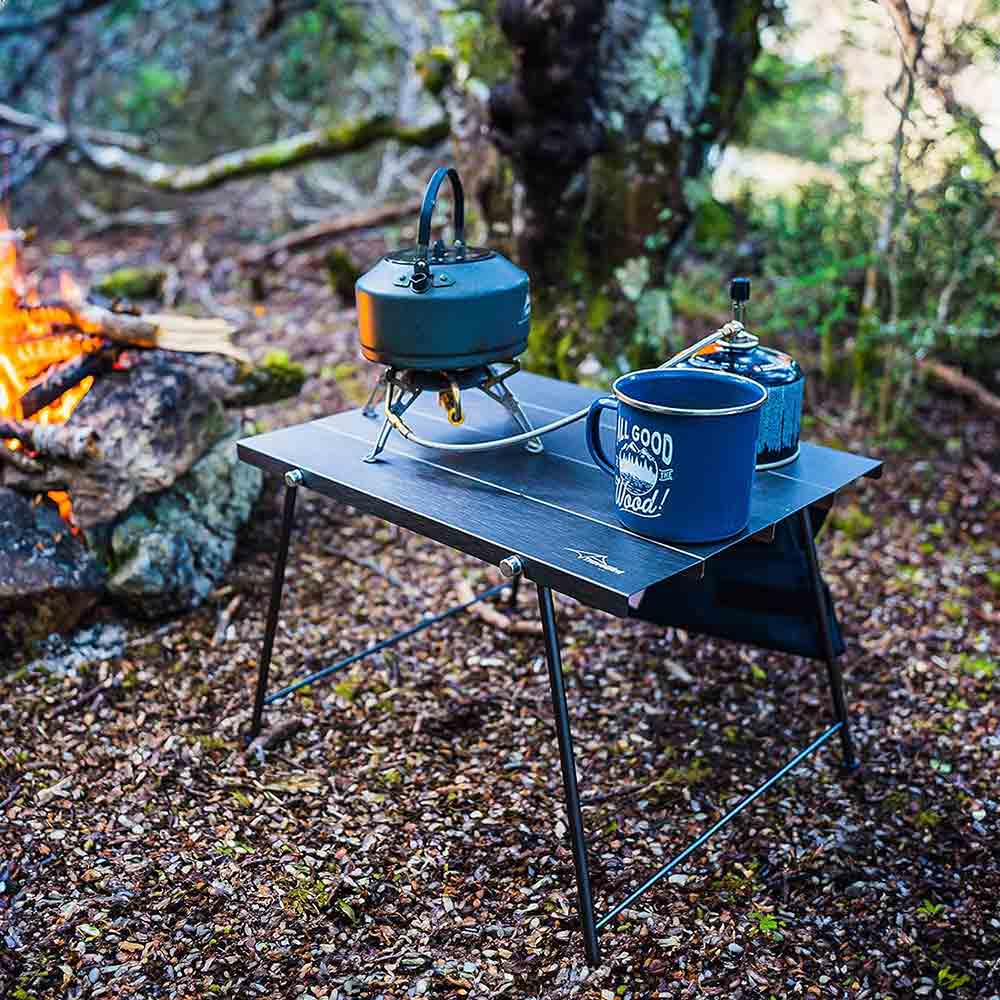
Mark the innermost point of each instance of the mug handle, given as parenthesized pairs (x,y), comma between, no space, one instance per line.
(594,432)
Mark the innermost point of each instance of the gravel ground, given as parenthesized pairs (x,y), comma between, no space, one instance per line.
(408,839)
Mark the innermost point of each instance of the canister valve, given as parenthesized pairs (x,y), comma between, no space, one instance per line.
(739,292)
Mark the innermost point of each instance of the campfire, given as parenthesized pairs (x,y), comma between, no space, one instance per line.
(120,424)
(44,360)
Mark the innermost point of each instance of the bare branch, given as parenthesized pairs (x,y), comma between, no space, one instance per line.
(911,39)
(56,134)
(281,154)
(330,228)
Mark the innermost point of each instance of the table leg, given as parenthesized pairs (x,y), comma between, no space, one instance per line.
(585,903)
(834,674)
(292,480)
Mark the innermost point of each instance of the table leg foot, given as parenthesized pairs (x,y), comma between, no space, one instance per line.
(292,481)
(585,903)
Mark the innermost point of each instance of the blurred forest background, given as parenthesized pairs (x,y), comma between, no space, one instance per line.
(631,154)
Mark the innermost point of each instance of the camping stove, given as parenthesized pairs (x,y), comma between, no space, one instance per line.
(402,388)
(444,318)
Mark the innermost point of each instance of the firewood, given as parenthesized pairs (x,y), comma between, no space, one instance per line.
(64,377)
(164,330)
(65,441)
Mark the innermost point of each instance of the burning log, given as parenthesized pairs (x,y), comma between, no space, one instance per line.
(164,330)
(71,373)
(61,441)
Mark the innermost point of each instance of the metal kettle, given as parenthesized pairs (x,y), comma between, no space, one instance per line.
(443,307)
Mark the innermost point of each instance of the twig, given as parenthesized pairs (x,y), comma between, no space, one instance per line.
(225,616)
(368,564)
(16,791)
(274,736)
(961,383)
(489,614)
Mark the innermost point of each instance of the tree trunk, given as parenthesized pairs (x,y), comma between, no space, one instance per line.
(609,118)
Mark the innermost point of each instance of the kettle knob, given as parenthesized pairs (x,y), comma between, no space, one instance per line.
(420,280)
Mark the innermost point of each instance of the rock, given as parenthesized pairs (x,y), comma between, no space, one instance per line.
(48,577)
(59,655)
(170,550)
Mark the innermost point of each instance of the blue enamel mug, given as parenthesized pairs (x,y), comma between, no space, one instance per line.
(685,450)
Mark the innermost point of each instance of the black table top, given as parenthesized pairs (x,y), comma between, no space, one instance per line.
(554,510)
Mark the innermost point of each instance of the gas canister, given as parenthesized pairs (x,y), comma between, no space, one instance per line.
(742,354)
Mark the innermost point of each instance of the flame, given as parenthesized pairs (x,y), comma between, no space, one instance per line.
(33,338)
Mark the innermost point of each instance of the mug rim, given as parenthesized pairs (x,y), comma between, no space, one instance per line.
(683,411)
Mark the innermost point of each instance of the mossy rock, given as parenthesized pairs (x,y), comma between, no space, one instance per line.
(132,283)
(276,379)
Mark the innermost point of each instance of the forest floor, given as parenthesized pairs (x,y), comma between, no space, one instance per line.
(409,839)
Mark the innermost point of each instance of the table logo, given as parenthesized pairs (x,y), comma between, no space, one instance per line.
(597,559)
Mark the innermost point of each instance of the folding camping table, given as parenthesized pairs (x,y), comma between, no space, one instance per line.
(547,517)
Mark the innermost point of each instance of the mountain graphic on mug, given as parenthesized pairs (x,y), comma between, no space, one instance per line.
(638,470)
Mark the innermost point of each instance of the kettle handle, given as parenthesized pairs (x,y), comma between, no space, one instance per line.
(427,210)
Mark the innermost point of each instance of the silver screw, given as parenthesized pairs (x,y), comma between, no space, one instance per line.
(511,566)
(293,477)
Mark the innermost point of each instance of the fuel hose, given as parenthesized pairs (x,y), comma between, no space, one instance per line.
(729,329)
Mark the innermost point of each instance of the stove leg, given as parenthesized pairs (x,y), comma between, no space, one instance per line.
(585,902)
(503,395)
(834,675)
(383,436)
(369,408)
(397,402)
(292,481)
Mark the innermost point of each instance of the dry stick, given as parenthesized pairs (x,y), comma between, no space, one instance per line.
(961,383)
(278,733)
(75,444)
(62,378)
(328,229)
(489,614)
(225,617)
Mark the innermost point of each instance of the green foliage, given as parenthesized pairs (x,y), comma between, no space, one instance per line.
(795,109)
(152,88)
(952,980)
(766,924)
(936,289)
(480,49)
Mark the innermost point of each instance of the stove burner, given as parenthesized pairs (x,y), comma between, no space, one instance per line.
(404,386)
